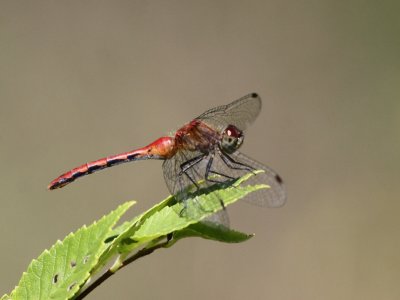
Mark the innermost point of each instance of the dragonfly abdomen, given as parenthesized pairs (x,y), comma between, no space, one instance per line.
(160,149)
(89,168)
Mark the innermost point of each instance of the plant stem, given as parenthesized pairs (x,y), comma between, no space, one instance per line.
(141,253)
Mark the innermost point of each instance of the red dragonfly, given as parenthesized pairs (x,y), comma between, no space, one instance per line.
(202,150)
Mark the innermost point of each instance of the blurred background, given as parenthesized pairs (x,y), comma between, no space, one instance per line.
(82,80)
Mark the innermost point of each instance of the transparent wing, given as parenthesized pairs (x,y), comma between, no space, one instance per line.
(179,184)
(276,195)
(240,113)
(241,164)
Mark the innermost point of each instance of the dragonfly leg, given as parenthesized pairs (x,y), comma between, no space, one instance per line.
(233,164)
(189,164)
(209,171)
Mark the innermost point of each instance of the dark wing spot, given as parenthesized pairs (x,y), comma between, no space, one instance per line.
(254,95)
(278,179)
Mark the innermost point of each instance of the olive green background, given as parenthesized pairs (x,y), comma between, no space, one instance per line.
(83,79)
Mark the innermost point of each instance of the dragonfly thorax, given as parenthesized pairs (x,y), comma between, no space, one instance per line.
(232,139)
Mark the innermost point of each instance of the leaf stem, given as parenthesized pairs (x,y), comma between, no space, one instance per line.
(141,253)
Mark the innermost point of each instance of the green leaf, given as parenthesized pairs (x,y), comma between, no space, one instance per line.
(172,218)
(120,237)
(166,217)
(59,272)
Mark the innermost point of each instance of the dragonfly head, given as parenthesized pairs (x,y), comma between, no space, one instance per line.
(232,139)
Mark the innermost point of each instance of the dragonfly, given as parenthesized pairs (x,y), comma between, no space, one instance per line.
(203,150)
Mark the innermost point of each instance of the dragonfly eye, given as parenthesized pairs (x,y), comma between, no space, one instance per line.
(232,139)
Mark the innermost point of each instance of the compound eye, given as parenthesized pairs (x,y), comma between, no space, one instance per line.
(232,139)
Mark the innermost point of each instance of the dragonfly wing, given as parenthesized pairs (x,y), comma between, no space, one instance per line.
(239,165)
(178,183)
(240,113)
(220,217)
(276,195)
